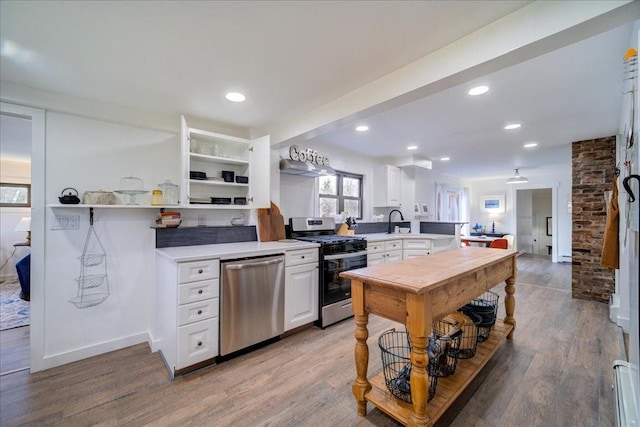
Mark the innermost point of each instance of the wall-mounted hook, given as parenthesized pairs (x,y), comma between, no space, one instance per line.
(627,186)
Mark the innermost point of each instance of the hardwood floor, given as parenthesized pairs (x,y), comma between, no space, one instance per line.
(555,372)
(14,349)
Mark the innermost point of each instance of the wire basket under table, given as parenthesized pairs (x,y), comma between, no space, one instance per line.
(485,306)
(448,332)
(469,340)
(395,350)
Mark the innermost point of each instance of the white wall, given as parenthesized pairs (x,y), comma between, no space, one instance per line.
(91,154)
(419,185)
(20,173)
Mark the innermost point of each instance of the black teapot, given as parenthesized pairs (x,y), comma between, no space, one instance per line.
(69,198)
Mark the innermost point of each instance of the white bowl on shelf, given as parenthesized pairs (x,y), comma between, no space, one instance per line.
(404,230)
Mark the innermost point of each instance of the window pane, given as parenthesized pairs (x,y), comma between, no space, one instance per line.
(350,187)
(328,185)
(352,208)
(328,206)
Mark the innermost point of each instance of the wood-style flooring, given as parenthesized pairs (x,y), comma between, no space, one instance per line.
(14,349)
(555,372)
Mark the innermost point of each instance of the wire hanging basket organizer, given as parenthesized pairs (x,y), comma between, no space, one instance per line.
(91,260)
(93,283)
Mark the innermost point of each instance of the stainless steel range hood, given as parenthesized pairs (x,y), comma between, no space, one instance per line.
(295,167)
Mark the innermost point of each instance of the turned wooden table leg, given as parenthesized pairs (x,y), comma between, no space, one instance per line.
(361,384)
(419,324)
(419,382)
(510,304)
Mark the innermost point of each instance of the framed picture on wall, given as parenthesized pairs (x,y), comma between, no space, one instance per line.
(421,208)
(13,195)
(493,203)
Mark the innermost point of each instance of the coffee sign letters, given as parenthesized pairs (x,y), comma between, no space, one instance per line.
(309,155)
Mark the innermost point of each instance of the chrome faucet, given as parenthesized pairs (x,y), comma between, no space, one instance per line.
(401,218)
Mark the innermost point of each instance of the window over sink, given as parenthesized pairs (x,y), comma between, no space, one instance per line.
(341,192)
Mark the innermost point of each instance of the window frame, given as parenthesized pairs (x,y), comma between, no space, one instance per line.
(17,205)
(340,175)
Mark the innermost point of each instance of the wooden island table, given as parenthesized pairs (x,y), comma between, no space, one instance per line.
(417,292)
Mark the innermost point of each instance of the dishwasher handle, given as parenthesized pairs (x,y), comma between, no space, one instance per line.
(254,264)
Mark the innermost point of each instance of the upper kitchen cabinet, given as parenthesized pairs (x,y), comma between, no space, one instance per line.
(223,172)
(386,182)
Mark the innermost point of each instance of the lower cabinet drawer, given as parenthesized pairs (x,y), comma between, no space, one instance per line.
(197,342)
(301,256)
(197,311)
(198,291)
(193,271)
(417,244)
(414,254)
(375,259)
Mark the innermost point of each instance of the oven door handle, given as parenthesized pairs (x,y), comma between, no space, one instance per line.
(344,256)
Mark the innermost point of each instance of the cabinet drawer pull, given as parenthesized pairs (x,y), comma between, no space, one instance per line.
(199,343)
(302,257)
(200,291)
(199,311)
(200,271)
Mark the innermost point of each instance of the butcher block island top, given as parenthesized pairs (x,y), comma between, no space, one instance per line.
(417,292)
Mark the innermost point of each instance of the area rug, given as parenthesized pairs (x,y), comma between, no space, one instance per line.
(14,312)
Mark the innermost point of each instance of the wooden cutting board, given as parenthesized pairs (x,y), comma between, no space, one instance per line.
(264,228)
(270,224)
(277,227)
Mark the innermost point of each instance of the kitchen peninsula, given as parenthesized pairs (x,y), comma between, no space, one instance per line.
(417,292)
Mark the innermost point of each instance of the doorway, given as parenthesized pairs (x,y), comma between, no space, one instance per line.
(15,175)
(534,221)
(34,341)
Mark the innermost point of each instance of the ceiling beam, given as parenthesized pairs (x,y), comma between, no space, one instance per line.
(536,29)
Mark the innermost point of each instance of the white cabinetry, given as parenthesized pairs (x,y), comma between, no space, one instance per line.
(186,315)
(212,153)
(412,248)
(386,181)
(301,291)
(384,252)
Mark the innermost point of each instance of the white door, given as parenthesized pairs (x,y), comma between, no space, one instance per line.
(536,234)
(184,163)
(259,174)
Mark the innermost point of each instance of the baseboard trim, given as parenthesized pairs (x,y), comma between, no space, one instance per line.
(105,347)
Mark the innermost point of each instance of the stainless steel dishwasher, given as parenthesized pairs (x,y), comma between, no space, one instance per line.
(251,301)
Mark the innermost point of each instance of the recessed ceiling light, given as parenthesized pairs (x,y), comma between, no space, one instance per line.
(412,147)
(235,97)
(362,128)
(478,90)
(530,145)
(445,159)
(512,126)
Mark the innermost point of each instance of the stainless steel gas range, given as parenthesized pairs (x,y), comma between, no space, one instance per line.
(337,254)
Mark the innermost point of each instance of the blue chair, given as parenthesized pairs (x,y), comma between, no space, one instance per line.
(23,267)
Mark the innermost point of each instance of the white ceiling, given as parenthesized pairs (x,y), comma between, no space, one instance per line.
(292,57)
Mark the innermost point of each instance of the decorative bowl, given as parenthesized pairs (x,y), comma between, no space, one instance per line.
(169,223)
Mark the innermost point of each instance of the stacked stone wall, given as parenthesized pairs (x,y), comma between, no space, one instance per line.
(593,173)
